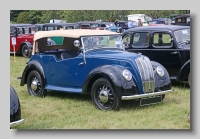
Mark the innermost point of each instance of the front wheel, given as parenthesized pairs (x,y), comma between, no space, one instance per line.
(35,84)
(26,51)
(103,95)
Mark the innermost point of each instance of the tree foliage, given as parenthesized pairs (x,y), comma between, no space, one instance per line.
(44,16)
(22,17)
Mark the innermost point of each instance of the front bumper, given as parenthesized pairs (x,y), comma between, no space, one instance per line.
(15,123)
(146,95)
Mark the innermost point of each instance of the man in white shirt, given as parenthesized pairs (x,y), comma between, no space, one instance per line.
(130,24)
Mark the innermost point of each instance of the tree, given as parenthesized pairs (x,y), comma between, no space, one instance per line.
(34,16)
(14,14)
(22,17)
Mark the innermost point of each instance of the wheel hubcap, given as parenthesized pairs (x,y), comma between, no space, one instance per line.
(104,94)
(25,51)
(35,84)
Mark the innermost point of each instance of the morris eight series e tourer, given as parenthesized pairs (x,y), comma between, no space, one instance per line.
(93,62)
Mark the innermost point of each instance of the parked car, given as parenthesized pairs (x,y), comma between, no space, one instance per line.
(56,26)
(172,17)
(88,25)
(160,21)
(109,26)
(23,34)
(15,109)
(183,20)
(167,45)
(94,62)
(122,24)
(38,27)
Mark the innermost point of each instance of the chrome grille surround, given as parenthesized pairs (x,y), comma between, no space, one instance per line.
(146,73)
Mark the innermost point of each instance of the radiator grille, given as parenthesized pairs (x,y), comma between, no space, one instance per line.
(146,73)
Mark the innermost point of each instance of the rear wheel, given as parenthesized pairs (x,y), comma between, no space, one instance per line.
(35,84)
(103,95)
(26,51)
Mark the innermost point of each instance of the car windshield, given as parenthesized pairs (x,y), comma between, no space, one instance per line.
(96,42)
(182,36)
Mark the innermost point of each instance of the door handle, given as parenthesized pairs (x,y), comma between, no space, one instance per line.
(174,52)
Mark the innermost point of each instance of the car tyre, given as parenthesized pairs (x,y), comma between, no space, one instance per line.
(103,96)
(35,84)
(26,51)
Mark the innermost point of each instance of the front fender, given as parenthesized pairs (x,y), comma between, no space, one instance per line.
(33,65)
(184,71)
(114,74)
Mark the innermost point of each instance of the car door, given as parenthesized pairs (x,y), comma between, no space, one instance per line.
(165,52)
(139,42)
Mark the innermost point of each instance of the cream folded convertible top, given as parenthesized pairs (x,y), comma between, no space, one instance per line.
(74,33)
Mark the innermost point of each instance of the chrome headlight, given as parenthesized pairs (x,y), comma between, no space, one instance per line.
(160,71)
(127,75)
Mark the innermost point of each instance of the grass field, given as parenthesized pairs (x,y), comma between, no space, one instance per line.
(72,111)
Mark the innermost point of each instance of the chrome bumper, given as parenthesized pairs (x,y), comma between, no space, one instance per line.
(146,95)
(12,124)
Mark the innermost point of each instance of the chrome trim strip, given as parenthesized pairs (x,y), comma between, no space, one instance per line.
(146,73)
(146,95)
(12,124)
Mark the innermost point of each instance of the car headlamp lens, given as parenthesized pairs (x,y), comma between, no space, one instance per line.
(127,75)
(160,71)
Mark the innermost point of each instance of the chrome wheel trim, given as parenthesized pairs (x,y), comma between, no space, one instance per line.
(35,85)
(104,97)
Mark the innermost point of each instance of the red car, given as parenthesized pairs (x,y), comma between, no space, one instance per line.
(21,39)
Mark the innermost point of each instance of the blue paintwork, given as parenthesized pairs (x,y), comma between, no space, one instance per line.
(69,75)
(114,29)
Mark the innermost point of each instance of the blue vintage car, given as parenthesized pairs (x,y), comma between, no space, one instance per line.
(93,62)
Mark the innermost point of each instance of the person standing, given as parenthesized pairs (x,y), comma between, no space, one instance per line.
(130,24)
(167,22)
(140,23)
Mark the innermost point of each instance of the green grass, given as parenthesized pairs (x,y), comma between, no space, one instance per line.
(73,111)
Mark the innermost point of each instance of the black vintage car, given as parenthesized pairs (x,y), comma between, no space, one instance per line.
(167,44)
(15,109)
(183,20)
(56,26)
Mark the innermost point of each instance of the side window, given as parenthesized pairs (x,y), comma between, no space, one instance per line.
(20,31)
(103,25)
(50,28)
(12,31)
(126,40)
(26,30)
(162,40)
(141,39)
